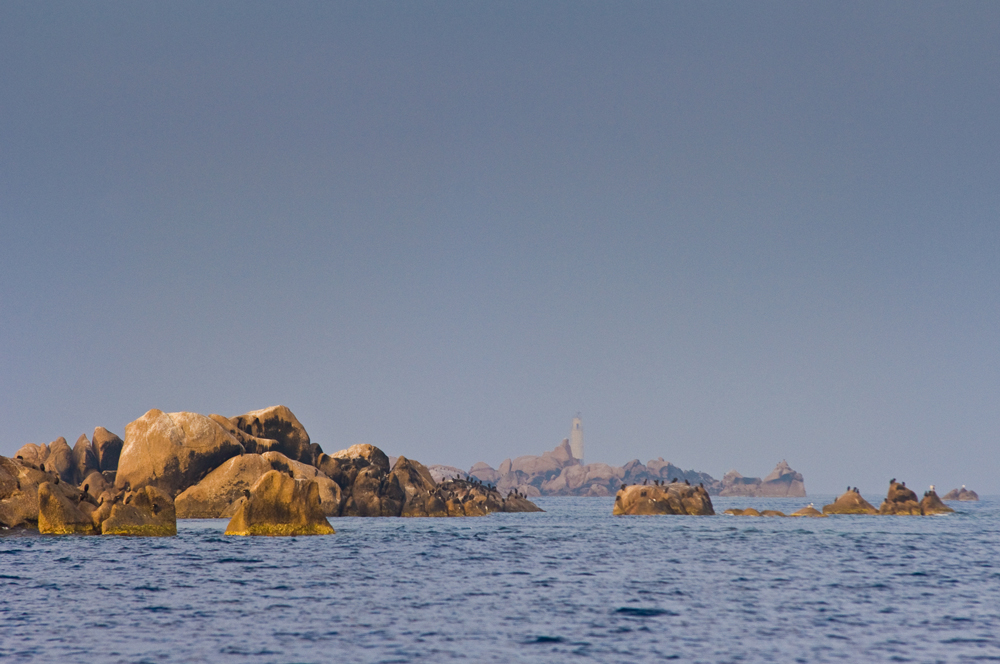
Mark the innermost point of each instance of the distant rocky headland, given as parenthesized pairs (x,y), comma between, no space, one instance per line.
(559,473)
(259,469)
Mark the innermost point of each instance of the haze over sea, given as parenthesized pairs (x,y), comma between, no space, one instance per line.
(572,584)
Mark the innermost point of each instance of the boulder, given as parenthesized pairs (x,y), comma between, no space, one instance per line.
(280,505)
(95,484)
(900,501)
(108,448)
(961,494)
(85,461)
(417,484)
(671,498)
(172,451)
(330,493)
(808,510)
(216,495)
(60,515)
(146,512)
(278,423)
(931,504)
(32,454)
(850,502)
(251,444)
(343,466)
(19,494)
(441,473)
(60,460)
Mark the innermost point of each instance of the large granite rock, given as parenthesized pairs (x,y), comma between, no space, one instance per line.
(931,504)
(961,494)
(850,502)
(19,484)
(108,448)
(85,461)
(61,515)
(669,498)
(418,487)
(900,501)
(280,505)
(218,494)
(278,423)
(146,512)
(172,451)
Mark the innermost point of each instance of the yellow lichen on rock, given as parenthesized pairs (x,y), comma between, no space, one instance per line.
(280,506)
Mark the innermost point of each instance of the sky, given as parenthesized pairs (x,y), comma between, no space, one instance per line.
(724,233)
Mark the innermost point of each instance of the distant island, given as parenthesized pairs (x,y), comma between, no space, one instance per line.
(561,472)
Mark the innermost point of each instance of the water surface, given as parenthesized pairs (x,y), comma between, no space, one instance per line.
(572,584)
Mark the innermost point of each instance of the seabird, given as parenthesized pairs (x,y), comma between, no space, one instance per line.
(687,483)
(644,481)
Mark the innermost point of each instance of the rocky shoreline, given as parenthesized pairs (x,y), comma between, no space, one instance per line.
(259,469)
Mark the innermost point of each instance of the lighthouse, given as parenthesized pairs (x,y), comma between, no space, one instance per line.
(576,439)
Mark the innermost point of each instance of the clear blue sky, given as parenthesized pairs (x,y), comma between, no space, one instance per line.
(726,233)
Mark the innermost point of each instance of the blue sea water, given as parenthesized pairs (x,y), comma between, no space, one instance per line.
(572,584)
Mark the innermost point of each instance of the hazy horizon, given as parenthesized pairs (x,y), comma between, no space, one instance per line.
(726,234)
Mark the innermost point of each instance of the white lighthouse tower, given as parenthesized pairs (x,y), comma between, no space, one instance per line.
(576,439)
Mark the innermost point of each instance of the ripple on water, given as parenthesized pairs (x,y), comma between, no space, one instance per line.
(573,582)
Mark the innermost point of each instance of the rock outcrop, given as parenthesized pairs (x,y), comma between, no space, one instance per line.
(19,485)
(61,515)
(783,482)
(147,512)
(558,473)
(279,424)
(108,448)
(961,494)
(931,504)
(172,451)
(900,501)
(279,505)
(670,498)
(850,502)
(85,460)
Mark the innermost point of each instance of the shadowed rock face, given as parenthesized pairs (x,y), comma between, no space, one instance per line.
(108,448)
(19,486)
(672,498)
(278,423)
(280,506)
(961,494)
(931,504)
(900,501)
(148,512)
(172,451)
(85,460)
(418,486)
(850,503)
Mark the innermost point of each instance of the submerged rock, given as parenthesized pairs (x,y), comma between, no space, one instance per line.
(808,510)
(850,502)
(280,506)
(672,498)
(147,512)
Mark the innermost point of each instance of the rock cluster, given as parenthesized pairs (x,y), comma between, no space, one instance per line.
(33,498)
(961,494)
(558,473)
(898,501)
(662,498)
(189,465)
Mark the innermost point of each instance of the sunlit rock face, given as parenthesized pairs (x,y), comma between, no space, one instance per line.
(670,498)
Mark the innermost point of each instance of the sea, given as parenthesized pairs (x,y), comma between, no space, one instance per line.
(572,584)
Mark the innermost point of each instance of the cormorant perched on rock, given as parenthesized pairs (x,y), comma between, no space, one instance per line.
(892,481)
(673,481)
(904,484)
(848,488)
(687,483)
(19,457)
(856,490)
(644,481)
(86,487)
(623,487)
(701,485)
(246,493)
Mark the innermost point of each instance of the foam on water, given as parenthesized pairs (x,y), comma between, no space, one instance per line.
(573,583)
